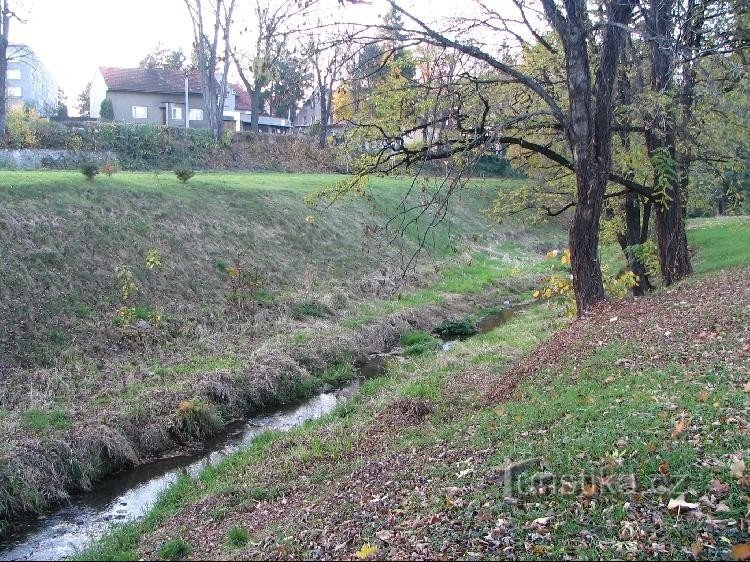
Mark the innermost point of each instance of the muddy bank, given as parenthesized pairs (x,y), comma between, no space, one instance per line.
(40,473)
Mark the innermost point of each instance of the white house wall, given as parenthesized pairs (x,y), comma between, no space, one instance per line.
(97,94)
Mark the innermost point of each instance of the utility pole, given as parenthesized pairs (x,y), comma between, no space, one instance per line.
(187,102)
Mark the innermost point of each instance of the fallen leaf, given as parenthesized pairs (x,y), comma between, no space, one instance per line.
(680,504)
(541,522)
(366,551)
(590,490)
(566,487)
(746,386)
(702,396)
(718,487)
(741,551)
(680,426)
(609,380)
(696,548)
(386,535)
(745,481)
(737,467)
(722,508)
(664,468)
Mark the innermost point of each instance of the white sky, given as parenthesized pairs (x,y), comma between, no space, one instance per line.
(74,37)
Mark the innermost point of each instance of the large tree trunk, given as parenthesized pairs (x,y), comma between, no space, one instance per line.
(584,230)
(674,258)
(589,132)
(584,247)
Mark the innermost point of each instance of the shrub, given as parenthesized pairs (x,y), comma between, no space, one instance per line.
(174,549)
(74,143)
(107,110)
(108,169)
(456,329)
(238,536)
(21,128)
(560,286)
(184,173)
(90,170)
(195,419)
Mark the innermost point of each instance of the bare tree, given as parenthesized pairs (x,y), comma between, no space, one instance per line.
(328,62)
(212,21)
(271,34)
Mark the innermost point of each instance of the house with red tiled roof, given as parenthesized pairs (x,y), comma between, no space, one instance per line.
(173,98)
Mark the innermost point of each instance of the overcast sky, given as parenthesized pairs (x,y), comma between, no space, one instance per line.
(74,37)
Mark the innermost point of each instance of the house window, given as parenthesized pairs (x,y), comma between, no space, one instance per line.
(14,74)
(14,92)
(140,112)
(176,113)
(196,115)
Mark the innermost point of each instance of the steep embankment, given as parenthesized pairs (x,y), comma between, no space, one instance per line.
(82,394)
(62,239)
(623,435)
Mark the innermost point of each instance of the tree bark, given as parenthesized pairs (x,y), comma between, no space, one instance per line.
(324,116)
(589,133)
(674,257)
(636,233)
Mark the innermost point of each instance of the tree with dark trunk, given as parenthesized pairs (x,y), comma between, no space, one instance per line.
(587,123)
(674,257)
(589,132)
(560,124)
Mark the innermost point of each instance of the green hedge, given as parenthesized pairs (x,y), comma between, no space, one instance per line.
(138,147)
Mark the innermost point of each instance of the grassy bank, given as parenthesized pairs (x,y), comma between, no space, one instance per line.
(81,396)
(63,237)
(533,441)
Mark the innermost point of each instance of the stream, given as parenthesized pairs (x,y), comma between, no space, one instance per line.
(129,494)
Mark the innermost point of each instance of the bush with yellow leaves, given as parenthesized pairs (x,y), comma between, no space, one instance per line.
(559,286)
(133,320)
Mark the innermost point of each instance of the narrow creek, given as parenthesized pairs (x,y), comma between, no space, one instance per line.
(129,494)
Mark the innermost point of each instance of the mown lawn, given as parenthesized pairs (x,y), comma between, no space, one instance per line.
(721,242)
